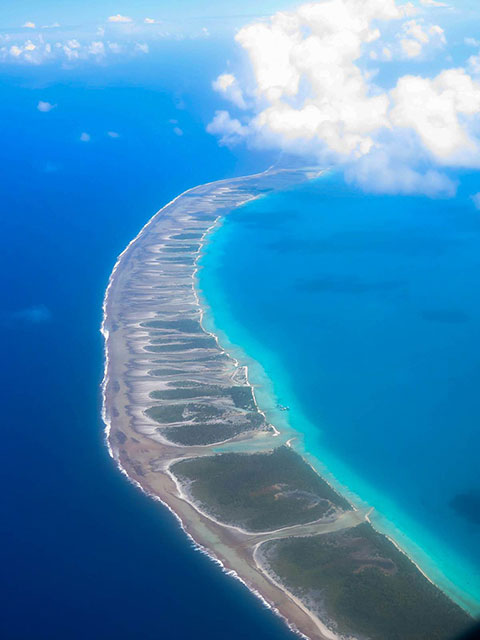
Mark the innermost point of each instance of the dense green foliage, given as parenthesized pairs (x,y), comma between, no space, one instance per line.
(205,422)
(194,412)
(201,434)
(259,491)
(190,235)
(366,585)
(165,372)
(241,396)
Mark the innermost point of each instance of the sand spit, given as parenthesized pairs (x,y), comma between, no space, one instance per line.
(150,295)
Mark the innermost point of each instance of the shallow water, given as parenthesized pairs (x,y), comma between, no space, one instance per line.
(361,314)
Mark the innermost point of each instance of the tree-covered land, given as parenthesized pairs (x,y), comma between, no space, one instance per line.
(241,395)
(366,585)
(259,491)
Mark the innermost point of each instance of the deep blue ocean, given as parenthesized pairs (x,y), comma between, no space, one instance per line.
(363,313)
(83,554)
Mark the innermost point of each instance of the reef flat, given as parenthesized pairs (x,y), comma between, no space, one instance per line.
(174,400)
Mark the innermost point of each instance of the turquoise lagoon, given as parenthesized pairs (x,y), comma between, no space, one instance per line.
(361,314)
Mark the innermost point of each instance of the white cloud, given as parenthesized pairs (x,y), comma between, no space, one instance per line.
(29,25)
(472,42)
(97,48)
(408,10)
(142,47)
(386,53)
(85,137)
(436,30)
(113,134)
(419,35)
(474,64)
(45,107)
(434,110)
(115,47)
(38,50)
(385,171)
(72,49)
(15,51)
(227,85)
(476,200)
(24,52)
(318,45)
(312,96)
(119,18)
(151,21)
(411,48)
(177,131)
(229,129)
(416,30)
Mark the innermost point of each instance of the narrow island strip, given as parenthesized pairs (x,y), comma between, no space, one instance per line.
(175,405)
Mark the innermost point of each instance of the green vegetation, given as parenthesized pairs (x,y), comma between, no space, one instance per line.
(188,236)
(167,413)
(204,422)
(165,372)
(242,396)
(120,436)
(365,585)
(204,216)
(202,434)
(259,491)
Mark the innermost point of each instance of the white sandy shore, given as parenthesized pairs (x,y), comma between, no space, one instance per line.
(141,453)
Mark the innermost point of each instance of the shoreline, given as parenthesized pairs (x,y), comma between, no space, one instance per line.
(401,540)
(276,599)
(140,452)
(197,296)
(443,583)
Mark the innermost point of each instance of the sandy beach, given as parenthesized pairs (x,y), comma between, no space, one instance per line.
(132,298)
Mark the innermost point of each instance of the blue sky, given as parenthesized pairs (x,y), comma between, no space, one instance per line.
(72,12)
(188,18)
(344,82)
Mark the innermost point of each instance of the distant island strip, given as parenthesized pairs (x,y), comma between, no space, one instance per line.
(176,404)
